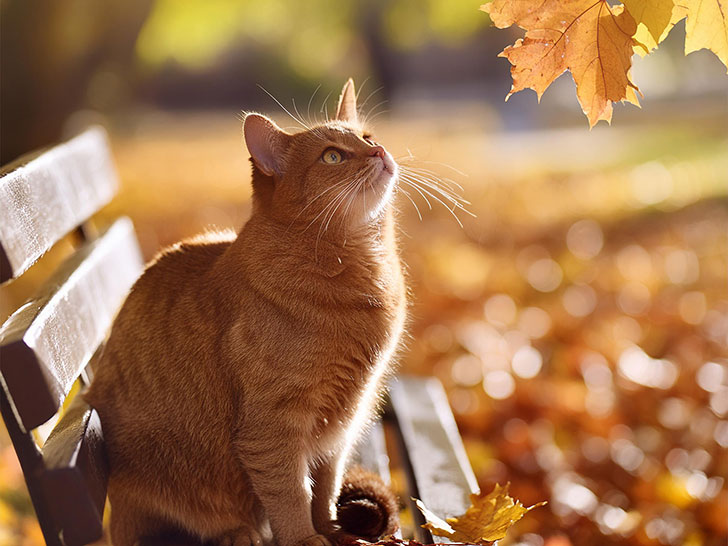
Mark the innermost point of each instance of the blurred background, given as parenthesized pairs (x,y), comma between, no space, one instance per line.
(579,323)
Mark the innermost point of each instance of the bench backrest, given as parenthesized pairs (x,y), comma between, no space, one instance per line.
(46,345)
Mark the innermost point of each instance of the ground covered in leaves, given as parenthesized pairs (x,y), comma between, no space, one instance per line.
(579,323)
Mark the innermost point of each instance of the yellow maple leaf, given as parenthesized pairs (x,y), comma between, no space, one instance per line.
(589,38)
(646,42)
(487,520)
(706,26)
(655,15)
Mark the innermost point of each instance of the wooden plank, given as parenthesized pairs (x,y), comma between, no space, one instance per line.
(440,473)
(31,462)
(371,452)
(46,343)
(76,474)
(51,194)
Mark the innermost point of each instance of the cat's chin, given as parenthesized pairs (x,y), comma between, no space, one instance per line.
(379,193)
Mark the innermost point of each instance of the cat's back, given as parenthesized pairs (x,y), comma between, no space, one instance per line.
(175,273)
(152,331)
(184,262)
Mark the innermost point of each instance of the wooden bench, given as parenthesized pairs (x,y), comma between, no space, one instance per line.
(47,344)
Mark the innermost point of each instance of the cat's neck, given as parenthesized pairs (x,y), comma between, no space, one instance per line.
(341,268)
(323,244)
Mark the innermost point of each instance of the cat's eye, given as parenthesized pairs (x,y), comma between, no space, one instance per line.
(369,140)
(332,156)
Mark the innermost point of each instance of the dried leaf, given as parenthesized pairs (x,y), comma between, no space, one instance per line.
(589,38)
(707,27)
(488,518)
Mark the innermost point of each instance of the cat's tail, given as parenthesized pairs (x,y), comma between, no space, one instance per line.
(367,507)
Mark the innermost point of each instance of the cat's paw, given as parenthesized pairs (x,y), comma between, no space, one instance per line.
(326,528)
(342,537)
(315,540)
(247,537)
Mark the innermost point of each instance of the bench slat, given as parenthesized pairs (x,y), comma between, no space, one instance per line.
(31,461)
(441,473)
(371,452)
(51,194)
(47,342)
(76,470)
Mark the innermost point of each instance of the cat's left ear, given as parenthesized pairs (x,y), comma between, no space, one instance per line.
(346,111)
(267,143)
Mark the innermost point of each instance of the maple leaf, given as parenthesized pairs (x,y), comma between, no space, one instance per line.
(706,26)
(487,520)
(655,15)
(590,38)
(644,38)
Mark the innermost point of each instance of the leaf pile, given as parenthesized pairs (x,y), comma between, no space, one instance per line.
(486,520)
(595,41)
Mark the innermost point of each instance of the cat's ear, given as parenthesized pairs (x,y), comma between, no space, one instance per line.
(266,142)
(346,111)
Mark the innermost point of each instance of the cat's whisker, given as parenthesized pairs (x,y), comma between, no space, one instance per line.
(332,211)
(349,199)
(440,163)
(325,210)
(362,105)
(295,109)
(371,116)
(360,182)
(310,203)
(347,184)
(456,202)
(310,100)
(417,189)
(297,120)
(445,192)
(408,196)
(437,185)
(452,204)
(451,210)
(436,198)
(436,193)
(449,182)
(361,88)
(324,107)
(453,186)
(338,185)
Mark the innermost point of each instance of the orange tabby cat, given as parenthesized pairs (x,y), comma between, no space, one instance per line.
(241,370)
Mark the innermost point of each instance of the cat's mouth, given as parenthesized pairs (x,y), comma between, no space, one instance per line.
(384,175)
(389,164)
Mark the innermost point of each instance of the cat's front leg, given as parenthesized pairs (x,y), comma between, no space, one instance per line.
(327,478)
(278,471)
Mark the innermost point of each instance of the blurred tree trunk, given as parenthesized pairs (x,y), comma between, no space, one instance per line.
(50,53)
(383,61)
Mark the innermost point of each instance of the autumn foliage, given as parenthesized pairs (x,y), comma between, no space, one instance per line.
(595,41)
(486,520)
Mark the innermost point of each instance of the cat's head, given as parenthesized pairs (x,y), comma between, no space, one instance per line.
(332,174)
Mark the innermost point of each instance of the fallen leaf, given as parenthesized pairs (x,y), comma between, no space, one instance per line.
(589,38)
(707,27)
(487,520)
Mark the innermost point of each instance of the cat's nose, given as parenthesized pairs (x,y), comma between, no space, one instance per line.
(377,151)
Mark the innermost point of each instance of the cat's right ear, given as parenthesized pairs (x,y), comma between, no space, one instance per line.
(266,142)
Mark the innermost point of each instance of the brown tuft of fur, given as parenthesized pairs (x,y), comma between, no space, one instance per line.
(367,507)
